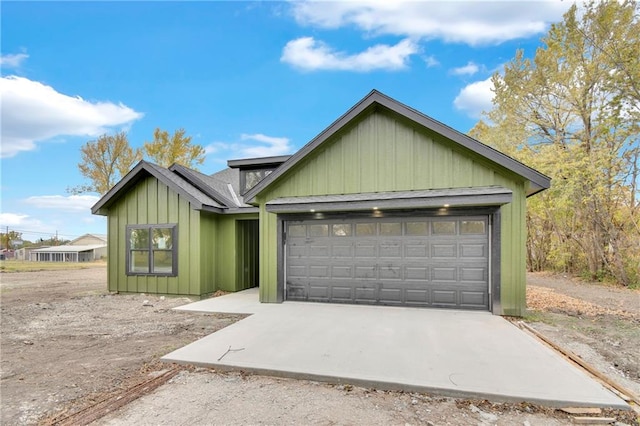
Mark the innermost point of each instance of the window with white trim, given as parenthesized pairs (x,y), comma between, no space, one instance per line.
(152,250)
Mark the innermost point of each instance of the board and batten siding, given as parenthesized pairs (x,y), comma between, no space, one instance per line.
(152,202)
(385,152)
(229,254)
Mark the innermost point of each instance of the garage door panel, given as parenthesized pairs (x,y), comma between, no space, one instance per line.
(417,296)
(366,272)
(296,291)
(366,249)
(318,251)
(442,273)
(391,295)
(366,294)
(416,273)
(440,251)
(342,250)
(319,271)
(416,250)
(320,292)
(297,271)
(412,261)
(473,250)
(390,249)
(342,271)
(298,250)
(389,272)
(468,274)
(444,297)
(342,293)
(472,298)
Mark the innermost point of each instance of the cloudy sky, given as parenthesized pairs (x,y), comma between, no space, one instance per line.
(245,79)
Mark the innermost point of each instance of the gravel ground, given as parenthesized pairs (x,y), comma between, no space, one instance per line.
(66,343)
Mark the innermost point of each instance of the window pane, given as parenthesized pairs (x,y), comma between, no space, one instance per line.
(139,239)
(319,230)
(297,230)
(417,228)
(163,261)
(162,238)
(341,229)
(365,229)
(444,228)
(472,227)
(392,228)
(252,178)
(140,261)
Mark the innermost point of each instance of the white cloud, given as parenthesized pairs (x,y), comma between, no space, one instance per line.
(12,60)
(471,22)
(309,54)
(71,203)
(12,219)
(34,112)
(469,69)
(431,61)
(475,98)
(263,146)
(272,145)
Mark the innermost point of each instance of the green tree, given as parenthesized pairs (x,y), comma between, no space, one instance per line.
(572,112)
(105,161)
(166,150)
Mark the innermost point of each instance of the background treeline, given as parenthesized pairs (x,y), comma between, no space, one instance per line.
(572,111)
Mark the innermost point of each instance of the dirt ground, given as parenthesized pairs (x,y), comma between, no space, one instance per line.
(66,343)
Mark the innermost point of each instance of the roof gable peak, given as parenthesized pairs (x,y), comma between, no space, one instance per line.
(374,98)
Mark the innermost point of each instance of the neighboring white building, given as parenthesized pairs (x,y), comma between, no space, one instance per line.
(86,248)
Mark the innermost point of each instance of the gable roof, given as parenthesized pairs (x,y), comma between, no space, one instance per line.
(102,237)
(192,185)
(376,99)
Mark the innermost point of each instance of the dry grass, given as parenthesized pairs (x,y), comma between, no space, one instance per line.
(25,266)
(545,299)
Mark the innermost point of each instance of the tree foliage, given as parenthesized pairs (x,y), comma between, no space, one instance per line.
(573,112)
(166,150)
(7,238)
(105,161)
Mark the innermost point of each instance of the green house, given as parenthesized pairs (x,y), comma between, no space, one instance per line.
(385,206)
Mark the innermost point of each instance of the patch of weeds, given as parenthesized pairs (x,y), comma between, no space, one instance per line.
(539,316)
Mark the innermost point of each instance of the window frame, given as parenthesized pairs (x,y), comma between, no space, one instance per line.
(151,250)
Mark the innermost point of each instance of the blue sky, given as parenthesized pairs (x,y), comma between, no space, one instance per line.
(244,79)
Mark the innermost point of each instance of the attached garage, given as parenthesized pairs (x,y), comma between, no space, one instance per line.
(390,207)
(404,261)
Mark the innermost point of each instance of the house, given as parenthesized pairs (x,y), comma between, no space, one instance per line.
(87,248)
(385,206)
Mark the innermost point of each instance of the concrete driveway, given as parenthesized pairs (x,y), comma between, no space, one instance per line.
(445,352)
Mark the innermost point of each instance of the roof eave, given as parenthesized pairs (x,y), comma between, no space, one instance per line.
(101,207)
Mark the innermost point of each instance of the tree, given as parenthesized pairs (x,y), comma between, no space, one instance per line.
(7,238)
(165,150)
(572,111)
(105,161)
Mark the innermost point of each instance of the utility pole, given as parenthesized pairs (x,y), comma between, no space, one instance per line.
(7,235)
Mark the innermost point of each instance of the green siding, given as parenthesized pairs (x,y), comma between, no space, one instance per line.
(152,202)
(206,243)
(382,152)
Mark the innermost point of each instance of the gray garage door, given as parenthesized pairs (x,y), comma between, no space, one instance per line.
(417,261)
